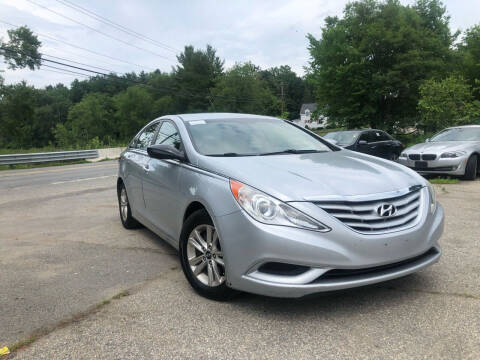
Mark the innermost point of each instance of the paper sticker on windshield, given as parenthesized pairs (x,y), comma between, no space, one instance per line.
(197,122)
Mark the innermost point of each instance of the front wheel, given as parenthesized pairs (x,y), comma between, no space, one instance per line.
(471,168)
(202,257)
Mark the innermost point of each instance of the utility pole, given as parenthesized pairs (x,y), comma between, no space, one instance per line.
(282,96)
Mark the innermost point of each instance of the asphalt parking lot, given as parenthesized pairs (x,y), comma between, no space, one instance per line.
(76,285)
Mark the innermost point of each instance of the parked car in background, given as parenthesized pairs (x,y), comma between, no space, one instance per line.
(453,151)
(368,141)
(258,204)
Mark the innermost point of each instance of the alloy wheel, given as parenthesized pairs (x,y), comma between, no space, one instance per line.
(205,256)
(124,204)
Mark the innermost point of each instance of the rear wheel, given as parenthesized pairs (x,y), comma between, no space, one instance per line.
(125,211)
(202,257)
(471,168)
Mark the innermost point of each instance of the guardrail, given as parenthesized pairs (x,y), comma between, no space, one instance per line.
(13,159)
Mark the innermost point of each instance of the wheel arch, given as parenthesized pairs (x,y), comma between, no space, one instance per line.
(119,184)
(192,207)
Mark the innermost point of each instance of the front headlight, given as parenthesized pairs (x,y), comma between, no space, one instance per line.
(269,210)
(452,154)
(403,155)
(432,198)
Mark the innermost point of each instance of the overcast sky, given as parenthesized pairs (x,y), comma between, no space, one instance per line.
(268,32)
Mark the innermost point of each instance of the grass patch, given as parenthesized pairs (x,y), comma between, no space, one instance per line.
(323,132)
(22,343)
(121,294)
(447,180)
(75,318)
(40,165)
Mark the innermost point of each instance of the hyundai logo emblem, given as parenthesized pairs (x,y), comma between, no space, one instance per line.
(386,210)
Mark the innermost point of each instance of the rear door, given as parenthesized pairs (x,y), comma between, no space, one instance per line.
(137,161)
(161,185)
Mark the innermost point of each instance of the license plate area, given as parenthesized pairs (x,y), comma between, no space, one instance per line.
(421,164)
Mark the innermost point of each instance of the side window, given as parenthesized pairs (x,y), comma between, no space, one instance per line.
(364,136)
(168,135)
(145,139)
(379,136)
(386,137)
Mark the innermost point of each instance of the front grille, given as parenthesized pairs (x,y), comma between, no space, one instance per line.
(363,216)
(429,157)
(414,156)
(345,274)
(439,168)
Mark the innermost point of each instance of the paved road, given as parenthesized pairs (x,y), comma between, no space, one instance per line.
(63,250)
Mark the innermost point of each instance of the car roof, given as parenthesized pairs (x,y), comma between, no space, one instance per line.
(462,126)
(223,116)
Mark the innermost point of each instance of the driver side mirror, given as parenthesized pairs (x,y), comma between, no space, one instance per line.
(165,152)
(362,142)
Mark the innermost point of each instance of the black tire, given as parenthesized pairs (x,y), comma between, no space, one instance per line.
(126,217)
(471,168)
(393,156)
(218,292)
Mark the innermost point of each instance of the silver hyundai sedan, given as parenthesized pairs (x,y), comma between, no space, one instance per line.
(258,204)
(453,151)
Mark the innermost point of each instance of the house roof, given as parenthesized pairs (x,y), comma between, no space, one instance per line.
(312,107)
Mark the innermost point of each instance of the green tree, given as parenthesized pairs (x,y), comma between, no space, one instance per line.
(469,50)
(447,102)
(21,50)
(195,76)
(283,81)
(16,115)
(367,67)
(242,90)
(92,117)
(133,110)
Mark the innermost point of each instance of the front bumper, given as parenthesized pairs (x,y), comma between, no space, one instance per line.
(455,166)
(248,244)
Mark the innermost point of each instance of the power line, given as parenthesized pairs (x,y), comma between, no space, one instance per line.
(165,88)
(99,31)
(82,48)
(65,71)
(75,62)
(117,26)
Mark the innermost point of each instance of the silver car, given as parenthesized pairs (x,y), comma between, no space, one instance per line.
(258,204)
(453,151)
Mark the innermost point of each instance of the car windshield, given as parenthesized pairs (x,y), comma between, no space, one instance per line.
(343,138)
(249,137)
(458,134)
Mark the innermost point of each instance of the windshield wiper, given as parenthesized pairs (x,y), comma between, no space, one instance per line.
(231,154)
(292,151)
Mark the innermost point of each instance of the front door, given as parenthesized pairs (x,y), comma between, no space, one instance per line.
(137,160)
(161,186)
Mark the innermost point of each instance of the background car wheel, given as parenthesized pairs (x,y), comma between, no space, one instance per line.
(125,212)
(393,157)
(202,258)
(471,168)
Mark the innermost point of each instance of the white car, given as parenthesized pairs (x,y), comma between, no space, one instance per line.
(453,151)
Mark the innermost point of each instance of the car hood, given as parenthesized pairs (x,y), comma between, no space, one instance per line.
(314,176)
(439,147)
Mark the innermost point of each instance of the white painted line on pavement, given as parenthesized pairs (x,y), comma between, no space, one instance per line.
(84,179)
